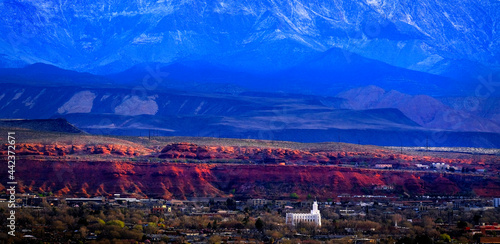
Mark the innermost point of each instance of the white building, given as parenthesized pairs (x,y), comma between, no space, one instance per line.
(258,202)
(422,166)
(440,166)
(313,217)
(496,202)
(383,166)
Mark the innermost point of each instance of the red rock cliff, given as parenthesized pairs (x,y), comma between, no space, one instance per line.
(179,180)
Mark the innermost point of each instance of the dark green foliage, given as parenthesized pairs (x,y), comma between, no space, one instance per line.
(259,224)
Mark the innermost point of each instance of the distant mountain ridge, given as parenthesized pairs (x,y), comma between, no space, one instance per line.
(50,75)
(325,74)
(104,37)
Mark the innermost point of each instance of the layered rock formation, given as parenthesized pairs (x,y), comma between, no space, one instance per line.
(183,170)
(180,180)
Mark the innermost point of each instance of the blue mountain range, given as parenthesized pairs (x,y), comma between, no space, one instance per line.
(106,37)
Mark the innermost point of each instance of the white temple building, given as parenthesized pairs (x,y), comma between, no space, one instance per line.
(313,217)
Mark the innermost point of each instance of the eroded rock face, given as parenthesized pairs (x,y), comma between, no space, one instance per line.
(185,150)
(180,180)
(106,169)
(23,149)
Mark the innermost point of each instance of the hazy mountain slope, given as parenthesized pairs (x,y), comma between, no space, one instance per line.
(125,111)
(325,74)
(426,111)
(486,107)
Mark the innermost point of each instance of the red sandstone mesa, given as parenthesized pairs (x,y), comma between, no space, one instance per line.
(180,180)
(257,173)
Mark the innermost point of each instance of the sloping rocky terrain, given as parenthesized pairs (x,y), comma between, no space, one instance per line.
(83,165)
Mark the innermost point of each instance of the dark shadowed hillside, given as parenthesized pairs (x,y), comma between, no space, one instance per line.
(52,125)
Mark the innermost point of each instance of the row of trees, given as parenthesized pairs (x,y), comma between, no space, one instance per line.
(63,223)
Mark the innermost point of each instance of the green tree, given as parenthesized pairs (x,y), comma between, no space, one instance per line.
(151,228)
(423,239)
(215,239)
(116,222)
(476,237)
(405,240)
(445,237)
(477,218)
(294,195)
(259,224)
(461,224)
(231,204)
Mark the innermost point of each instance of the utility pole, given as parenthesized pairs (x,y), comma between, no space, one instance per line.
(427,143)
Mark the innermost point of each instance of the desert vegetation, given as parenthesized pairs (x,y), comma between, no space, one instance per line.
(104,223)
